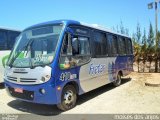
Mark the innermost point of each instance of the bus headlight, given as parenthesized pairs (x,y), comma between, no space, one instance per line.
(45,78)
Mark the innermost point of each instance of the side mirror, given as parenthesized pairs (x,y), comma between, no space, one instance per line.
(75,46)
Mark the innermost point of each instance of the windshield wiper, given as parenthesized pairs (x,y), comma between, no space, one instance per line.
(24,47)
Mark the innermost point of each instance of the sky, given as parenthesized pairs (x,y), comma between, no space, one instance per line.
(19,14)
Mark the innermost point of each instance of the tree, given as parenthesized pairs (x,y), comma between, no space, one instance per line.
(122,29)
(117,29)
(138,34)
(158,50)
(113,28)
(136,49)
(127,31)
(144,48)
(150,42)
(138,39)
(158,40)
(151,39)
(144,43)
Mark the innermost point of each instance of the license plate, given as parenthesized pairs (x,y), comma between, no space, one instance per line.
(18,90)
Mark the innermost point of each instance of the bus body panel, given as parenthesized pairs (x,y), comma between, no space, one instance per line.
(96,73)
(49,97)
(101,71)
(84,76)
(27,76)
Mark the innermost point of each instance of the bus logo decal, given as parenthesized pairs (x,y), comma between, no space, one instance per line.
(96,69)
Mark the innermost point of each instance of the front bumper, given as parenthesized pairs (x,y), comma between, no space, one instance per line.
(31,93)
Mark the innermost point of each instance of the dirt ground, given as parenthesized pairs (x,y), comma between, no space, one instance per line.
(132,96)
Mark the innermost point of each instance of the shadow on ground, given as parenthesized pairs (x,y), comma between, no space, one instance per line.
(52,110)
(94,93)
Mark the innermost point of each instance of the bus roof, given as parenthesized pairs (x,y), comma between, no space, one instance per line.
(73,22)
(98,27)
(5,28)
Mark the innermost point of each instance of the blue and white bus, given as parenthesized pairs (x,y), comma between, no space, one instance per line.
(54,62)
(7,40)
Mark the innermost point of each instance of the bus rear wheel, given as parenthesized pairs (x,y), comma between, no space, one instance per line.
(68,98)
(117,82)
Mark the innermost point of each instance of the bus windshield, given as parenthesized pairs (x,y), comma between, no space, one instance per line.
(35,47)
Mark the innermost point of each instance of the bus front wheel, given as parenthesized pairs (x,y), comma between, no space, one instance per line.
(117,82)
(68,98)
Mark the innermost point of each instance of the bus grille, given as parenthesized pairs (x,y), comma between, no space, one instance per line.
(28,80)
(12,78)
(21,80)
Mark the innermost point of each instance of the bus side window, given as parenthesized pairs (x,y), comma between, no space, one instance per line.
(129,46)
(121,46)
(80,46)
(84,48)
(112,44)
(100,43)
(81,49)
(80,52)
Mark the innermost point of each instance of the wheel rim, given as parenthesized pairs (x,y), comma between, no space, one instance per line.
(68,97)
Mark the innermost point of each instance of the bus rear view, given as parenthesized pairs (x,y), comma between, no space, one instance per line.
(54,62)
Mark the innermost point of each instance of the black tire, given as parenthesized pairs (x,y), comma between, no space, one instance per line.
(68,98)
(117,82)
(2,86)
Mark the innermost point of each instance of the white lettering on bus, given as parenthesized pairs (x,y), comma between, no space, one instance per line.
(96,69)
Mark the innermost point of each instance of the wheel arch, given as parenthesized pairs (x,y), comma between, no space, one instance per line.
(74,84)
(120,72)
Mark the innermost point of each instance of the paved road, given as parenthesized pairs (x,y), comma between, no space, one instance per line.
(131,97)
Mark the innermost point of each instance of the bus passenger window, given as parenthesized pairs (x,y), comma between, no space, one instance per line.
(80,52)
(84,46)
(112,44)
(100,44)
(129,46)
(122,46)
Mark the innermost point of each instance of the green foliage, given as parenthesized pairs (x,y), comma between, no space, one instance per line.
(151,40)
(121,29)
(146,44)
(138,34)
(117,29)
(158,36)
(127,31)
(144,47)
